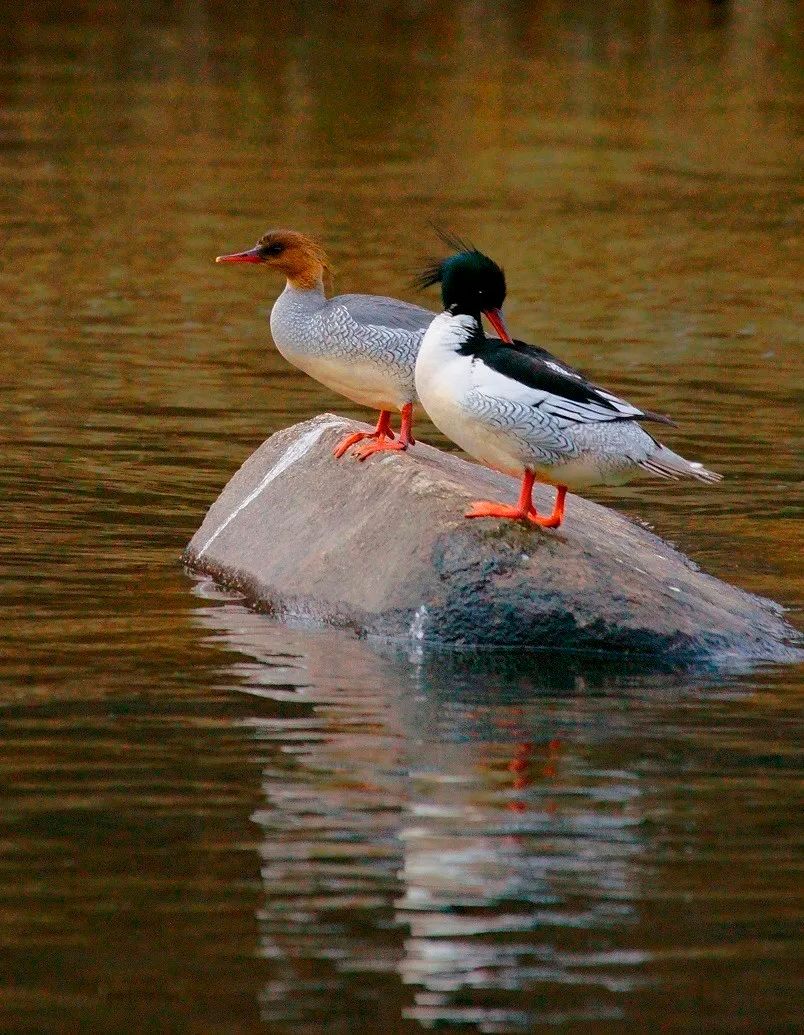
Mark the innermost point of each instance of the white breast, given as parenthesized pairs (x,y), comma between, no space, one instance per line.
(445,382)
(442,373)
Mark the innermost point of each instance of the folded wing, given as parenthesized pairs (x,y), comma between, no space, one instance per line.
(376,311)
(555,388)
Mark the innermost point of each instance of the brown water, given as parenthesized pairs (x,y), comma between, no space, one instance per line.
(213,824)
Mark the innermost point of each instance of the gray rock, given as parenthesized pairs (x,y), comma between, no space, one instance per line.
(382,548)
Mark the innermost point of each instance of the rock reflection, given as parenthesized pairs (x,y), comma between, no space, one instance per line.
(334,786)
(458,840)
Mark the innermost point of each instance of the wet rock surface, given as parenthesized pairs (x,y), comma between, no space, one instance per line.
(382,548)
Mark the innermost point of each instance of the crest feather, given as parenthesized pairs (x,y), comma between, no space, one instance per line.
(452,240)
(429,275)
(432,271)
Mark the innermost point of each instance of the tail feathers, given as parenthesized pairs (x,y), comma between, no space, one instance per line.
(664,463)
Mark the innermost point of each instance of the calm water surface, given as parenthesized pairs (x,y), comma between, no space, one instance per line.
(214,824)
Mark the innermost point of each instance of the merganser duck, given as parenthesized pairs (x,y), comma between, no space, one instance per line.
(518,409)
(362,346)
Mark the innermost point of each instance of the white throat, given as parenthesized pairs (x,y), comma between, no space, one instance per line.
(439,357)
(448,332)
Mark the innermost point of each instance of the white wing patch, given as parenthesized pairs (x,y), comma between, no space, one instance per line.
(563,370)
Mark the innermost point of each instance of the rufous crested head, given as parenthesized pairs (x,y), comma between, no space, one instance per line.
(303,262)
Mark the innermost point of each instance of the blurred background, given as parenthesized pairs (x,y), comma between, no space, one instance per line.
(215,824)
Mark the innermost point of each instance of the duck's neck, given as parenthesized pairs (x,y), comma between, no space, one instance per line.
(463,333)
(309,282)
(303,297)
(294,316)
(447,334)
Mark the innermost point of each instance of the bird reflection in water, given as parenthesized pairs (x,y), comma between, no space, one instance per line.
(520,767)
(453,840)
(518,859)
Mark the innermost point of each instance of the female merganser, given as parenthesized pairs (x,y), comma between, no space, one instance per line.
(363,346)
(518,409)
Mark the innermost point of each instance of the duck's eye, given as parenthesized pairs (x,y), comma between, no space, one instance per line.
(272,249)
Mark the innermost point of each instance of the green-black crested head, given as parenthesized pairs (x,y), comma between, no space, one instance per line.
(471,282)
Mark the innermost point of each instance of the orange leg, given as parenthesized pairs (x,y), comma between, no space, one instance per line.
(381,432)
(405,438)
(557,516)
(524,510)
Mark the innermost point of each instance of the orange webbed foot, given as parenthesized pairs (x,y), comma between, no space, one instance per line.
(545,522)
(351,440)
(524,510)
(486,508)
(370,448)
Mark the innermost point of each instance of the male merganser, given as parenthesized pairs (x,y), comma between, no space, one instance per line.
(363,346)
(518,409)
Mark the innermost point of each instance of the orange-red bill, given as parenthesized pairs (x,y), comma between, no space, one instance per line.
(495,318)
(252,255)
